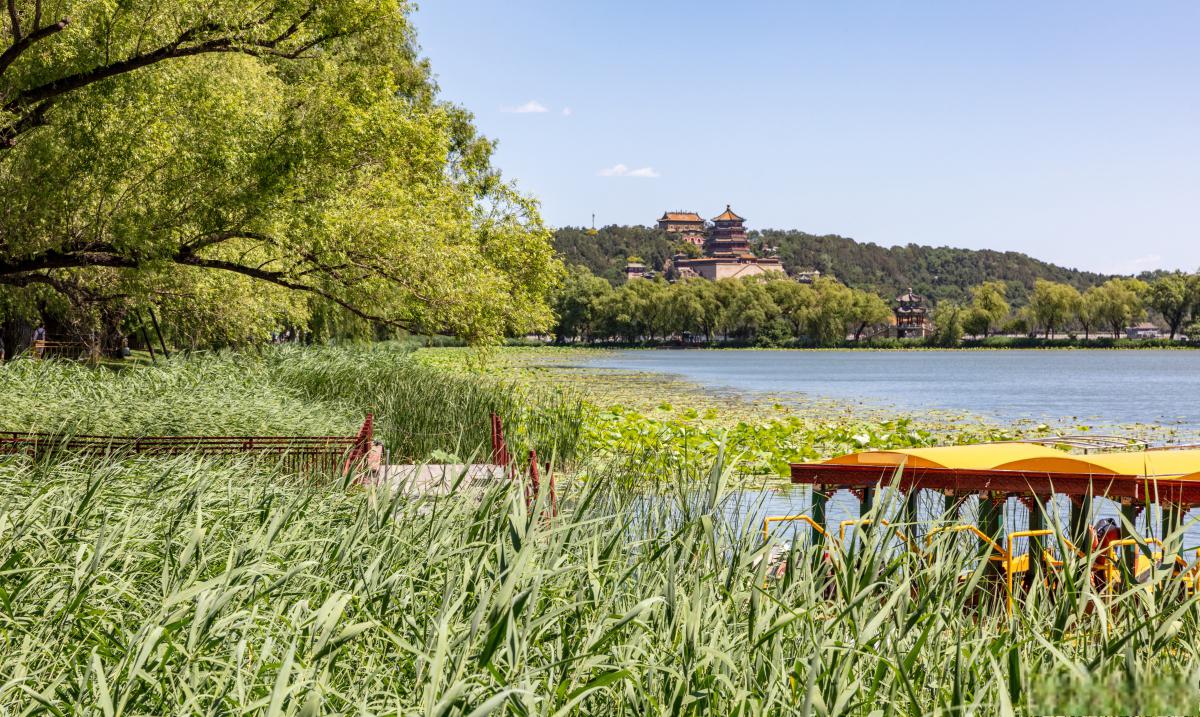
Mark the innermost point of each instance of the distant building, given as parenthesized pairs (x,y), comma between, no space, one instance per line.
(1143,330)
(727,252)
(912,318)
(634,270)
(682,223)
(807,276)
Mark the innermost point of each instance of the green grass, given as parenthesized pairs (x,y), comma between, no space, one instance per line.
(188,586)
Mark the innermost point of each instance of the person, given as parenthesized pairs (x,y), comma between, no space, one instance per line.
(39,334)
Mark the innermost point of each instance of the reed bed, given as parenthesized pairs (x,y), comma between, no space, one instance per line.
(421,409)
(183,586)
(292,391)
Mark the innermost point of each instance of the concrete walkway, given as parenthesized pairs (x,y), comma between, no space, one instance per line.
(438,478)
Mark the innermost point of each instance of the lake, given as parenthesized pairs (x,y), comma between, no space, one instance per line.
(1099,387)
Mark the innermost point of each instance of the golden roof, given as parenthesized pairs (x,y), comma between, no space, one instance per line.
(1030,457)
(681,217)
(728,216)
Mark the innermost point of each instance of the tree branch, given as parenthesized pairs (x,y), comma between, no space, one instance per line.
(23,272)
(21,44)
(281,279)
(179,48)
(15,19)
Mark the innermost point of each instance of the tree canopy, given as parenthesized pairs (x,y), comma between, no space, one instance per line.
(938,273)
(299,146)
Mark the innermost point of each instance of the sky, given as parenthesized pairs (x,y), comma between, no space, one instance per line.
(1068,130)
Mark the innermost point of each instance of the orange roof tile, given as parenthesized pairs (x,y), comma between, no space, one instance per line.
(728,216)
(681,217)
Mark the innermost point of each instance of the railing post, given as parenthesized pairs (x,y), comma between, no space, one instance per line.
(1081,516)
(534,481)
(990,515)
(1036,522)
(912,503)
(867,502)
(818,498)
(1130,512)
(1172,518)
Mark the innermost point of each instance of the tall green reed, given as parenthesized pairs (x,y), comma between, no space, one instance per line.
(181,586)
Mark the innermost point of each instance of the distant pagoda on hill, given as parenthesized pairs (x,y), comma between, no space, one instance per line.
(912,318)
(727,252)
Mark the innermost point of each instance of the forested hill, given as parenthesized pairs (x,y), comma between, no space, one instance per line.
(937,272)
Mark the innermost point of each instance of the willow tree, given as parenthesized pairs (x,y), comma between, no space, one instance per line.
(300,145)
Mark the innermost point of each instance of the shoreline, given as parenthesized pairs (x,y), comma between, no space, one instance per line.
(722,346)
(666,396)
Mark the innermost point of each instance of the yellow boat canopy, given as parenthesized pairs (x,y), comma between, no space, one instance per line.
(985,456)
(1139,463)
(1032,457)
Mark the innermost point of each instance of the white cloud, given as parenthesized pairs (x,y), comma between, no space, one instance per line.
(620,170)
(567,112)
(1147,262)
(530,107)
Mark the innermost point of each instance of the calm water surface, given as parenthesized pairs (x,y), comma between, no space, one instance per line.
(1102,387)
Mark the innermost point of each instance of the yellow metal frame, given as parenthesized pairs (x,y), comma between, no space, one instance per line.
(1000,553)
(865,521)
(966,528)
(786,518)
(1010,564)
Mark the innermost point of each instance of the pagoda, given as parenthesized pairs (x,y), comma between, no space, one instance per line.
(912,318)
(728,235)
(727,253)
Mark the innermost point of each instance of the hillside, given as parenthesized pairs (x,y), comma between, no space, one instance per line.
(937,272)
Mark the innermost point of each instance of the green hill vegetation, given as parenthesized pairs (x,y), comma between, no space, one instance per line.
(936,272)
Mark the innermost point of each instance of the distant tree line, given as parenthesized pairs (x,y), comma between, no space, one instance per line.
(940,273)
(765,311)
(1173,299)
(778,311)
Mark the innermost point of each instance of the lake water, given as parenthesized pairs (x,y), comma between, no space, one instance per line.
(1093,386)
(1102,388)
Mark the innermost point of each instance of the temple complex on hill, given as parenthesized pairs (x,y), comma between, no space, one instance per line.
(725,246)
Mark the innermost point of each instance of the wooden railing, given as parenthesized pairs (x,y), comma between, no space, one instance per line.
(299,454)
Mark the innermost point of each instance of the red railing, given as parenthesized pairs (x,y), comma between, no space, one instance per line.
(299,454)
(501,457)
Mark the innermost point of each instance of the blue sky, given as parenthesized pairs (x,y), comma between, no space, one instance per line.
(1068,130)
